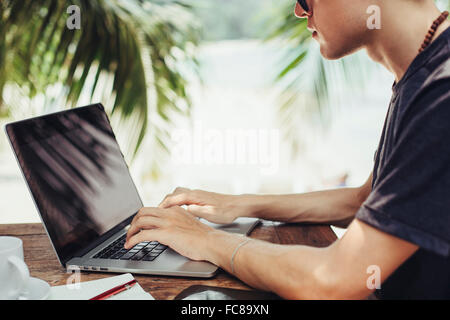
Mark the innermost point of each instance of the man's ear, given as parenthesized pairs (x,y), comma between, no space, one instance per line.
(298,11)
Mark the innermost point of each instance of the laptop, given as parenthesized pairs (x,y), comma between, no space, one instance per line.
(86,198)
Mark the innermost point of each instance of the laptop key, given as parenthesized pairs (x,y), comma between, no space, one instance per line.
(154,254)
(127,256)
(149,258)
(138,256)
(106,255)
(121,252)
(100,255)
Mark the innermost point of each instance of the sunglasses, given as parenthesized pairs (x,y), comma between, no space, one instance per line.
(304,5)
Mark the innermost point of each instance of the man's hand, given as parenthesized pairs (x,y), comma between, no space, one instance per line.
(214,207)
(292,271)
(174,227)
(329,206)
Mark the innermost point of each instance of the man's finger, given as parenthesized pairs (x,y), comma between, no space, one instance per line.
(200,211)
(177,191)
(160,205)
(144,222)
(144,235)
(209,213)
(179,199)
(180,190)
(147,211)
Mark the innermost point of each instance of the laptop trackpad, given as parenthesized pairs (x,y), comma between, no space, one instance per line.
(240,225)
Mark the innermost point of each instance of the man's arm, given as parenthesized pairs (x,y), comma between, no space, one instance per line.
(292,271)
(339,271)
(336,207)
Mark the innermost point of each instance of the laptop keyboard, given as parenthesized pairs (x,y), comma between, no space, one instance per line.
(145,251)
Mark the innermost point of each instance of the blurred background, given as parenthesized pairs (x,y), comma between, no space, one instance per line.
(229,96)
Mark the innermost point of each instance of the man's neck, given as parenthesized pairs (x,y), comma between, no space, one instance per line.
(397,43)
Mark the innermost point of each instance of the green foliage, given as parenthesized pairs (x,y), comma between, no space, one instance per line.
(135,43)
(304,93)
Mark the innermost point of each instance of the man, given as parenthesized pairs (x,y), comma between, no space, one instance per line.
(399,219)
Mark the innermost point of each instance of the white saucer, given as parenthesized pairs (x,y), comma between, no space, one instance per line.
(37,289)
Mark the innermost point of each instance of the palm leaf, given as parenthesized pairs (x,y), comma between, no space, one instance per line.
(126,42)
(306,78)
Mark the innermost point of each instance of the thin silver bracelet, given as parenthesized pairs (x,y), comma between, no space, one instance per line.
(235,252)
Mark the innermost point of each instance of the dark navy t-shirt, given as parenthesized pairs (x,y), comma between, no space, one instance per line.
(410,196)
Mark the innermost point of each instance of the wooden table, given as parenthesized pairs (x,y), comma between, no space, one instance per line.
(43,264)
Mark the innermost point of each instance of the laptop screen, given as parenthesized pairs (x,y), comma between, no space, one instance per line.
(76,174)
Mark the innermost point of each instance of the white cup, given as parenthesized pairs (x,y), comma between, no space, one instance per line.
(14,274)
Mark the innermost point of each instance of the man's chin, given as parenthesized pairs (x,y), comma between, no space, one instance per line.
(329,53)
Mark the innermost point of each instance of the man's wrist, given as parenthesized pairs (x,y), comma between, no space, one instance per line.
(219,247)
(249,205)
(255,206)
